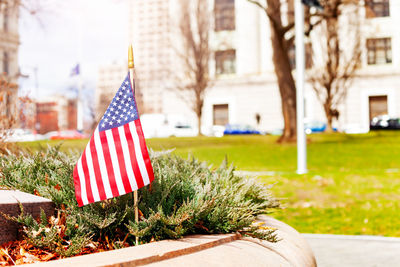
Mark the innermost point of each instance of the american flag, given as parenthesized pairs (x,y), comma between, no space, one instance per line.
(116,160)
(75,70)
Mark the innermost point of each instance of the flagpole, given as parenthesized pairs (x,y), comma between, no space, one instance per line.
(131,66)
(79,111)
(79,121)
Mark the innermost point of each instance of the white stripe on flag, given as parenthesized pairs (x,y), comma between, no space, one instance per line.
(82,181)
(92,176)
(139,155)
(114,161)
(102,164)
(127,158)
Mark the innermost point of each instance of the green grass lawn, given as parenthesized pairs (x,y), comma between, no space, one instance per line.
(353,184)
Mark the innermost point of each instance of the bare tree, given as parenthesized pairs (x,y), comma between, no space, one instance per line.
(8,110)
(194,28)
(339,55)
(282,38)
(33,7)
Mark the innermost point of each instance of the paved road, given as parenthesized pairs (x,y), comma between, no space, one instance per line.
(354,251)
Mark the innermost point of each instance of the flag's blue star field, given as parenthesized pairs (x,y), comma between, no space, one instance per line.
(122,109)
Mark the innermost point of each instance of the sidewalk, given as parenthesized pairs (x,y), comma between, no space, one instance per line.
(354,251)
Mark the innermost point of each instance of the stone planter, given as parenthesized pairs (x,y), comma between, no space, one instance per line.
(9,231)
(207,250)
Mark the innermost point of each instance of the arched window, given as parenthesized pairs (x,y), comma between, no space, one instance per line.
(225,61)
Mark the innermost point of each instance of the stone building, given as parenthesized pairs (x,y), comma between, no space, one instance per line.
(56,113)
(109,80)
(9,70)
(244,88)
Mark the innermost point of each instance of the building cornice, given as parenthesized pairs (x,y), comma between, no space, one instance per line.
(270,78)
(10,38)
(249,79)
(374,72)
(377,75)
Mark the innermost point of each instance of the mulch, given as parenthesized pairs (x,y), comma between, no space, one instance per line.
(21,252)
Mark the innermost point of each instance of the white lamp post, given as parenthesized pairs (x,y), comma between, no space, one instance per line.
(300,66)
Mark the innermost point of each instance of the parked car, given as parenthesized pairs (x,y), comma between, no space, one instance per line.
(385,122)
(217,131)
(183,130)
(21,135)
(316,127)
(162,125)
(231,129)
(65,135)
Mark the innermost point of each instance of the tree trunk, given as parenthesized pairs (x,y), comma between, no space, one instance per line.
(199,124)
(199,112)
(286,85)
(329,116)
(329,128)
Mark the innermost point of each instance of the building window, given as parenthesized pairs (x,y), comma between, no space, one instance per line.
(377,8)
(308,56)
(220,114)
(5,63)
(225,62)
(379,51)
(5,20)
(224,12)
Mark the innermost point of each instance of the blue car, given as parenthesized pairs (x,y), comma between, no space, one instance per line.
(316,127)
(231,129)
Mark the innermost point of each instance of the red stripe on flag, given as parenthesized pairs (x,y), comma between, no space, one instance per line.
(139,131)
(108,162)
(96,167)
(87,178)
(135,166)
(143,148)
(77,183)
(121,161)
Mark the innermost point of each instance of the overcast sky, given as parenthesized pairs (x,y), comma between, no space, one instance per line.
(52,43)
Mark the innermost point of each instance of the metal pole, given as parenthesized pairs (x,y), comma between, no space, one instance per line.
(79,123)
(131,66)
(35,71)
(79,113)
(300,66)
(36,100)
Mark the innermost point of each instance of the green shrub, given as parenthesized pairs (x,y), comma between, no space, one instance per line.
(186,197)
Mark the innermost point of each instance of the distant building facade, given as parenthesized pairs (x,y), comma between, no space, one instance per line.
(109,80)
(46,117)
(244,88)
(149,31)
(56,113)
(375,90)
(9,70)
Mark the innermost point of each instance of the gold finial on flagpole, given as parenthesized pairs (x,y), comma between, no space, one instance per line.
(131,63)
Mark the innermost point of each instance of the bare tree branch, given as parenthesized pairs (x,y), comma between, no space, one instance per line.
(194,29)
(340,57)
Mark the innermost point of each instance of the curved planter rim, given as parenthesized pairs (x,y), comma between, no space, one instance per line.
(207,250)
